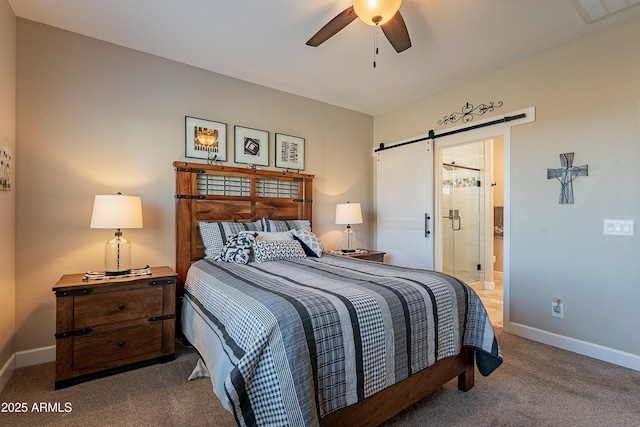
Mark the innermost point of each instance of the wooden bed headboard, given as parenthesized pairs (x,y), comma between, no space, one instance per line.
(211,193)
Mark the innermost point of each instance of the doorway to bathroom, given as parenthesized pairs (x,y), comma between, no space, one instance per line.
(470,200)
(460,210)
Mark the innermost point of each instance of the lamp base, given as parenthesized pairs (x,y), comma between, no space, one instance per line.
(117,256)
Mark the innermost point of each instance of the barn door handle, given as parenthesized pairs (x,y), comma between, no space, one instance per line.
(427,232)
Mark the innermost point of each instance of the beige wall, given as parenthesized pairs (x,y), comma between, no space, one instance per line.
(96,118)
(587,100)
(7,198)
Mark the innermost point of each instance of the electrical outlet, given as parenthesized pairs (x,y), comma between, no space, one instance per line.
(557,308)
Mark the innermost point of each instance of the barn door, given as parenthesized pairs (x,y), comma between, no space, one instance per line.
(405,204)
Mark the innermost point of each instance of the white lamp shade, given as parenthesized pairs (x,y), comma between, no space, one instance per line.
(348,213)
(116,211)
(376,12)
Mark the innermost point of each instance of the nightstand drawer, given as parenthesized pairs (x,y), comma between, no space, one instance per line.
(101,349)
(111,307)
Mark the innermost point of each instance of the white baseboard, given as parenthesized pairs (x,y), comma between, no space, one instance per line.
(617,357)
(7,370)
(35,356)
(20,359)
(498,275)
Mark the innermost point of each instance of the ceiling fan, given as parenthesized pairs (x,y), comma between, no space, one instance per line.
(378,13)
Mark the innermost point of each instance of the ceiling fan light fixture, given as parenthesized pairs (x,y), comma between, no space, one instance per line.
(376,12)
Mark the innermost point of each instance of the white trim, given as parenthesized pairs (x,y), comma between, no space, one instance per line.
(7,371)
(595,351)
(35,356)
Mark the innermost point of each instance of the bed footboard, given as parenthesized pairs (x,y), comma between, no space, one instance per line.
(391,401)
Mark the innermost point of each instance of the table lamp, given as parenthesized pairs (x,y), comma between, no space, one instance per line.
(348,213)
(117,211)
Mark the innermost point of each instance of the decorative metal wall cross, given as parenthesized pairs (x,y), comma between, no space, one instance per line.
(566,174)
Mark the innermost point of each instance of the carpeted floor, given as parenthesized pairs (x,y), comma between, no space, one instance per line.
(537,385)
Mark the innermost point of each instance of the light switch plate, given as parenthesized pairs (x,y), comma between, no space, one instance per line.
(618,227)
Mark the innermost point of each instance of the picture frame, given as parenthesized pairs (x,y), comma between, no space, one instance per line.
(205,139)
(251,146)
(6,158)
(289,152)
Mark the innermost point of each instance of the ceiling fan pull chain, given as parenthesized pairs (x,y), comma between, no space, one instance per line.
(375,45)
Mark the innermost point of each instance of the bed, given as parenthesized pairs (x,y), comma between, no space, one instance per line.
(306,338)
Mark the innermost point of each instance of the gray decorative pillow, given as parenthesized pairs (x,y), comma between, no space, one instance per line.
(310,243)
(271,250)
(238,248)
(279,226)
(215,234)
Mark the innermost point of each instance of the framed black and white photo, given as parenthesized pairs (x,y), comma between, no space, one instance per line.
(289,152)
(251,146)
(205,139)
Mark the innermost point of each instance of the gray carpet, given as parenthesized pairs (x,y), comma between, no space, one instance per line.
(537,385)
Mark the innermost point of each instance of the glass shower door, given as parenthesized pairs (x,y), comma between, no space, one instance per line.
(461,226)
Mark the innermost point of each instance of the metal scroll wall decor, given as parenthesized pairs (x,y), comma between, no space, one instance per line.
(468,112)
(566,174)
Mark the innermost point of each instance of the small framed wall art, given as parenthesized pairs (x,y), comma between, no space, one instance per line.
(251,146)
(5,168)
(205,139)
(289,152)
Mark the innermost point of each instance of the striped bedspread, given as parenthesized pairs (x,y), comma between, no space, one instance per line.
(308,337)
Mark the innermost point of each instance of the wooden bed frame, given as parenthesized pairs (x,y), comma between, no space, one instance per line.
(220,193)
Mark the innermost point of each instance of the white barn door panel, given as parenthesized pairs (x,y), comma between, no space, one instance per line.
(405,204)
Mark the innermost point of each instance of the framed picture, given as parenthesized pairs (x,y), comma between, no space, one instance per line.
(5,168)
(251,146)
(205,139)
(289,152)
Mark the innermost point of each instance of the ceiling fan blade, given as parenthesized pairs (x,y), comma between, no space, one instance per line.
(341,20)
(396,32)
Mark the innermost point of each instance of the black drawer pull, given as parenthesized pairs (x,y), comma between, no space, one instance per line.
(121,344)
(121,306)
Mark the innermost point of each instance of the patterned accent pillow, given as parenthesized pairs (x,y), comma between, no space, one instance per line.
(238,248)
(271,250)
(292,224)
(310,243)
(215,234)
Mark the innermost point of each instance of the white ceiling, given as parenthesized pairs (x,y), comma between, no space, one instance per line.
(264,41)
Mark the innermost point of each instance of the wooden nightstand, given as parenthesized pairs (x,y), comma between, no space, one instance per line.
(112,325)
(364,254)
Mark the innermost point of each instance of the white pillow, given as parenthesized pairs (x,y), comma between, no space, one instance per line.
(282,235)
(271,250)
